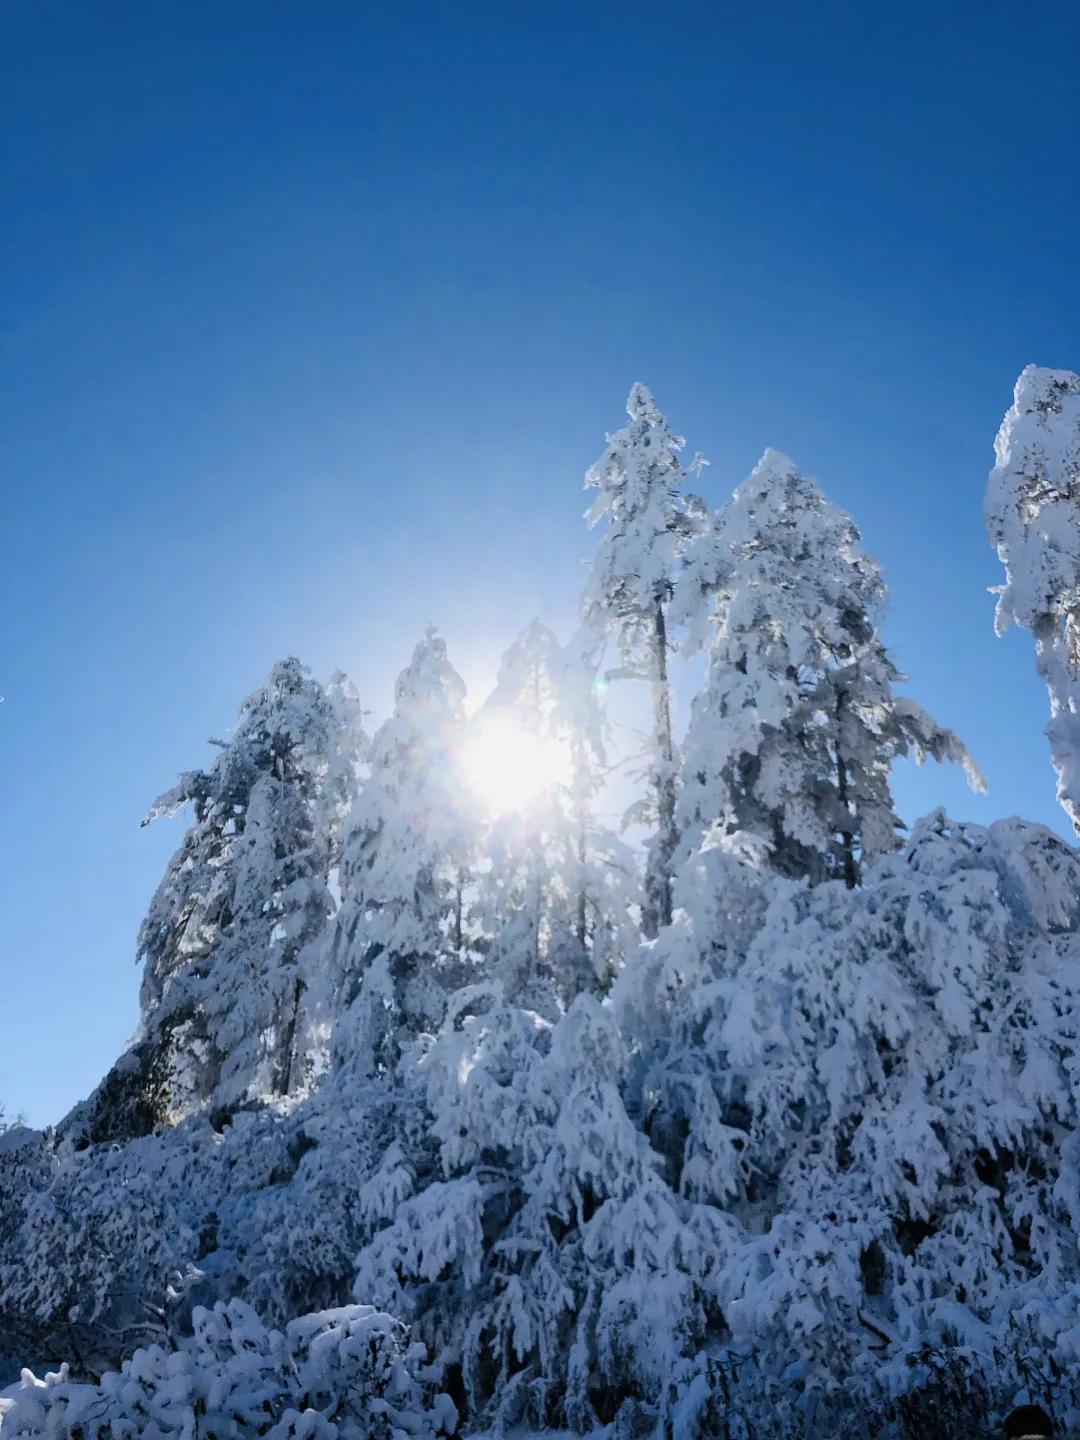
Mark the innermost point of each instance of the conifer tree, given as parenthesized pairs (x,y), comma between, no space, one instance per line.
(557,893)
(244,897)
(1033,515)
(521,900)
(401,938)
(793,735)
(277,877)
(606,880)
(649,519)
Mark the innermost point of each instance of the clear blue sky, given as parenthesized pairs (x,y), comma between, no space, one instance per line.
(314,314)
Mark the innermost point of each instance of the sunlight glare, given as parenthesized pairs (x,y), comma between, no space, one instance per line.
(510,768)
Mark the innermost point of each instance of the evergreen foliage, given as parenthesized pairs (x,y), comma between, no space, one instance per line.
(794,733)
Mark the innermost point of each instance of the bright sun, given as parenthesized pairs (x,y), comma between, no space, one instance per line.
(509,767)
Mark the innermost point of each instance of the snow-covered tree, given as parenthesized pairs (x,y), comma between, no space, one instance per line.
(648,520)
(348,1373)
(877,1085)
(522,899)
(1033,516)
(792,737)
(550,1270)
(107,1246)
(242,900)
(606,880)
(556,897)
(291,840)
(401,938)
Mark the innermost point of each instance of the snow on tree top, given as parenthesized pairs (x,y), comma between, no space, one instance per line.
(1033,518)
(429,673)
(1032,498)
(641,405)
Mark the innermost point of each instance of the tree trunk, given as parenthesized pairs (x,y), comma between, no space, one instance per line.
(847,837)
(459,900)
(580,782)
(1057,663)
(287,1058)
(582,910)
(662,851)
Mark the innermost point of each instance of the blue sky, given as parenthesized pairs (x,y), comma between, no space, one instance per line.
(313,316)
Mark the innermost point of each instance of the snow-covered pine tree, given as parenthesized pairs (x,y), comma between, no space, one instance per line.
(606,879)
(225,938)
(1033,516)
(291,842)
(522,901)
(401,939)
(555,899)
(793,735)
(649,519)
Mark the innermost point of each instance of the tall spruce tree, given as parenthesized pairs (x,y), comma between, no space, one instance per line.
(556,897)
(1033,515)
(649,519)
(401,938)
(229,933)
(523,900)
(793,736)
(606,880)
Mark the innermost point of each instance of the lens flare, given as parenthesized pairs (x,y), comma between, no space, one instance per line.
(511,768)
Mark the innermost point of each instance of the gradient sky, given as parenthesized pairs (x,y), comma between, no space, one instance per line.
(313,315)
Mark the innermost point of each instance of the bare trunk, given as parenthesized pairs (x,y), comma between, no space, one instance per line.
(847,837)
(459,891)
(580,773)
(582,913)
(287,1058)
(663,850)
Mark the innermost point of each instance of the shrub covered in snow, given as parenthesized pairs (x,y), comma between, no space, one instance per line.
(107,1247)
(348,1373)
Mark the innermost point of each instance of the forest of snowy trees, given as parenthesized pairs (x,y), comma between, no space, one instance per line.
(452,1110)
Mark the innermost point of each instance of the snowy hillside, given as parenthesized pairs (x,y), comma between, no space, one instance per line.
(452,1110)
